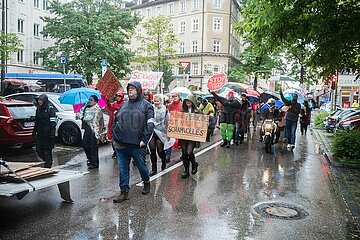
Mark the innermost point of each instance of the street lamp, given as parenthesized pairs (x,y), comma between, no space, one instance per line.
(3,30)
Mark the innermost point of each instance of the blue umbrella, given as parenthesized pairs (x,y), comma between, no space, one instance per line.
(78,96)
(289,94)
(278,103)
(252,98)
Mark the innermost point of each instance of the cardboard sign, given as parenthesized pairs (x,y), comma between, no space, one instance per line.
(216,82)
(188,126)
(108,85)
(148,80)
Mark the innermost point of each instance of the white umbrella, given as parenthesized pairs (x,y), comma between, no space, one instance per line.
(182,91)
(281,78)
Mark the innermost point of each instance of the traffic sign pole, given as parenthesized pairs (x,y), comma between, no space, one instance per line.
(63,61)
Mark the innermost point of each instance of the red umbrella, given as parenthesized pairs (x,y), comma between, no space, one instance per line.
(253,92)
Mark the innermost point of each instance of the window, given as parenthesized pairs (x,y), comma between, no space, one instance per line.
(195,68)
(171,27)
(182,6)
(45,5)
(21,25)
(216,46)
(171,8)
(37,3)
(182,27)
(182,47)
(217,24)
(148,13)
(216,69)
(195,5)
(195,25)
(159,10)
(36,30)
(217,3)
(20,56)
(138,2)
(194,46)
(36,58)
(138,30)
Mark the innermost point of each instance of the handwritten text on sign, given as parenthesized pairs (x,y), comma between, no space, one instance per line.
(216,82)
(148,80)
(188,126)
(108,85)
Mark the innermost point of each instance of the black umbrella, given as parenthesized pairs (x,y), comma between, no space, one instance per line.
(266,95)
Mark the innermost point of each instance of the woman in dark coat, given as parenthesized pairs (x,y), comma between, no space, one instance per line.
(44,130)
(305,118)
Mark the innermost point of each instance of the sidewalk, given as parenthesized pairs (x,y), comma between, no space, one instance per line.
(345,176)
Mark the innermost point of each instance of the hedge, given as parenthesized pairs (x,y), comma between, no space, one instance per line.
(346,146)
(319,119)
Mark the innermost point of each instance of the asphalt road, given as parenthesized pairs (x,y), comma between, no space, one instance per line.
(218,203)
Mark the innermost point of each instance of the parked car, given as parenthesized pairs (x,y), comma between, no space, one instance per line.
(350,123)
(349,114)
(16,123)
(68,128)
(333,120)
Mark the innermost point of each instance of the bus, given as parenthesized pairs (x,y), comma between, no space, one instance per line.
(50,82)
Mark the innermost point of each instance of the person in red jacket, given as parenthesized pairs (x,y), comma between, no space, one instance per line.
(112,109)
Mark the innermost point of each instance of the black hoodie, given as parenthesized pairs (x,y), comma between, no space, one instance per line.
(132,120)
(45,124)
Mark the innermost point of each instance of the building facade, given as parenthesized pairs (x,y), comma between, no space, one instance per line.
(24,19)
(348,89)
(206,39)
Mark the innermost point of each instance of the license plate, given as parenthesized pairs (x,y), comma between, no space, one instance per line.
(29,124)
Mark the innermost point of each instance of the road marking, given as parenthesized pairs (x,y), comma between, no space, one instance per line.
(140,184)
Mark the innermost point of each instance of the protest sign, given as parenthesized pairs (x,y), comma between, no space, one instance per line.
(188,126)
(108,85)
(148,80)
(216,82)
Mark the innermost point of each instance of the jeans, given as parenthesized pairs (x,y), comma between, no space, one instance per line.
(124,156)
(290,131)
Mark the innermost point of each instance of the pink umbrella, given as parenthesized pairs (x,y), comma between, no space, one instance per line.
(102,104)
(253,92)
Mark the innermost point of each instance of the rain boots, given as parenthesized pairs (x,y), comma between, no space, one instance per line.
(194,164)
(186,163)
(122,197)
(146,188)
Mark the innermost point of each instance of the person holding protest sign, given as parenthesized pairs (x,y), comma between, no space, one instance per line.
(227,119)
(132,131)
(208,109)
(175,106)
(158,138)
(112,109)
(187,146)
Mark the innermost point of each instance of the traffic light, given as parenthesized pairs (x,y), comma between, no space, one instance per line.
(333,82)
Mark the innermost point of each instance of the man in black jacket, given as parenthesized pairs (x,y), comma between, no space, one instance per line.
(45,125)
(133,128)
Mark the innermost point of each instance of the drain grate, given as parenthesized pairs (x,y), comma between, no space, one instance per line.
(281,211)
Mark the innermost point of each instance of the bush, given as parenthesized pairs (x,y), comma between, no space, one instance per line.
(319,119)
(346,146)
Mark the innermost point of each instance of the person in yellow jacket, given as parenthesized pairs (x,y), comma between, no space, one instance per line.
(355,104)
(208,109)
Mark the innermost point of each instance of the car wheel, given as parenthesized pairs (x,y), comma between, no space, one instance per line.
(69,134)
(27,146)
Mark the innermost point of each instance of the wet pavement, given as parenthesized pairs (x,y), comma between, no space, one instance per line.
(217,203)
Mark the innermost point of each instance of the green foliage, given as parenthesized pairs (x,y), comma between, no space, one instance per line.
(317,34)
(86,31)
(319,119)
(157,46)
(346,146)
(10,43)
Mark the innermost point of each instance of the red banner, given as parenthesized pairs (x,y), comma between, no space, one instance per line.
(216,82)
(108,85)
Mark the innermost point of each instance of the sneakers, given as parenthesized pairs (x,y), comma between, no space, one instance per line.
(122,197)
(152,173)
(292,146)
(288,146)
(224,143)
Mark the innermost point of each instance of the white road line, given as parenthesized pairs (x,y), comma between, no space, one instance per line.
(140,184)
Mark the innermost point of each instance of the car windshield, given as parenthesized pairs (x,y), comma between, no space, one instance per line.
(65,107)
(21,112)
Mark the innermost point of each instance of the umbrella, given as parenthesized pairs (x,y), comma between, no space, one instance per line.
(278,103)
(236,87)
(266,95)
(288,94)
(78,96)
(281,78)
(252,98)
(182,91)
(225,94)
(253,92)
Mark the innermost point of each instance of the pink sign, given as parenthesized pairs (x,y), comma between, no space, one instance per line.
(216,82)
(148,80)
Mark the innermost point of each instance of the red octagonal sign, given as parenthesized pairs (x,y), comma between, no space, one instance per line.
(216,82)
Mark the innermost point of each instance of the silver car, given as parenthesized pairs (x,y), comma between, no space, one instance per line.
(68,128)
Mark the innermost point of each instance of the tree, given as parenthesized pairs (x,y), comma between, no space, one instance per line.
(326,31)
(10,43)
(158,44)
(86,31)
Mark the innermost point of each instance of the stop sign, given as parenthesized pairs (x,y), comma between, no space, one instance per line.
(216,82)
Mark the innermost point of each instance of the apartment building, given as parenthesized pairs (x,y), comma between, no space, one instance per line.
(23,18)
(207,40)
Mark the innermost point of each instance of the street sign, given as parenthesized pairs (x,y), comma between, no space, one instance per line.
(217,81)
(63,60)
(184,65)
(104,62)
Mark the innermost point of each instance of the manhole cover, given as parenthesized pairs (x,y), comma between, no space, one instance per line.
(281,211)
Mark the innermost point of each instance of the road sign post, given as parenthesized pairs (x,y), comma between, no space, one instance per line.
(103,66)
(63,62)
